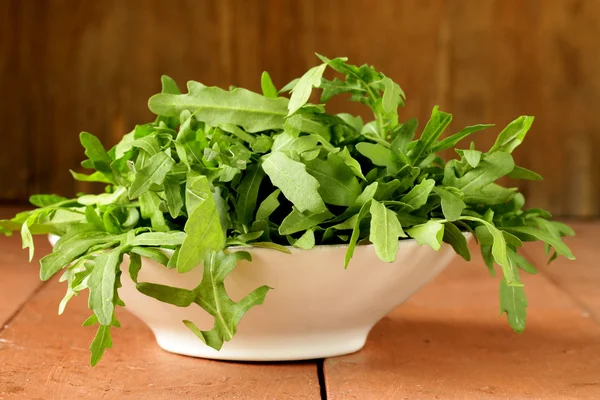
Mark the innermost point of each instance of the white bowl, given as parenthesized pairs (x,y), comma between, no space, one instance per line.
(316,309)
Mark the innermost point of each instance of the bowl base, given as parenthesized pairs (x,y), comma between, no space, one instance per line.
(266,348)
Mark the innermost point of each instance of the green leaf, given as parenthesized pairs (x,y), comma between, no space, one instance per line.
(452,140)
(539,234)
(167,294)
(213,298)
(102,285)
(455,238)
(147,143)
(150,208)
(173,195)
(173,238)
(303,88)
(514,303)
(402,136)
(215,106)
(268,206)
(94,177)
(472,157)
(297,221)
(521,261)
(93,218)
(154,171)
(169,85)
(68,248)
(338,185)
(267,86)
(452,205)
(499,251)
(524,173)
(135,265)
(248,194)
(262,144)
(203,229)
(297,185)
(95,151)
(418,195)
(354,165)
(101,341)
(430,233)
(287,141)
(270,245)
(356,232)
(491,168)
(306,241)
(435,126)
(385,231)
(392,96)
(379,155)
(512,135)
(46,200)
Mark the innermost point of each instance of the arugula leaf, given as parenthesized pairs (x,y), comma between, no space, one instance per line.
(435,126)
(212,297)
(524,173)
(97,154)
(154,171)
(512,135)
(338,185)
(248,194)
(173,195)
(173,238)
(297,221)
(268,206)
(452,140)
(455,238)
(379,155)
(430,233)
(306,241)
(351,162)
(251,111)
(538,234)
(102,285)
(418,195)
(297,185)
(68,249)
(102,341)
(203,228)
(267,86)
(514,304)
(385,231)
(167,294)
(452,205)
(46,200)
(356,232)
(402,137)
(303,88)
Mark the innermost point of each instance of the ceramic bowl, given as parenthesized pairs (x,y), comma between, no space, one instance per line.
(316,308)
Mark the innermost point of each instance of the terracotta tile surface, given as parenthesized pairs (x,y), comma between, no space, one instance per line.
(447,342)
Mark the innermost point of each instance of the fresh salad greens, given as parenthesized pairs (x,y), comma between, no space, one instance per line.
(220,168)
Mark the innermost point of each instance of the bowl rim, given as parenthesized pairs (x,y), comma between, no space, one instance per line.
(53,238)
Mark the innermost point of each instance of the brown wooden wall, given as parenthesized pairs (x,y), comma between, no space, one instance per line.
(73,65)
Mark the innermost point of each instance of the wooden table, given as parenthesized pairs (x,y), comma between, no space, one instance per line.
(447,342)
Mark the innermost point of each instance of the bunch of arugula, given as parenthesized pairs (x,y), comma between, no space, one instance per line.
(224,168)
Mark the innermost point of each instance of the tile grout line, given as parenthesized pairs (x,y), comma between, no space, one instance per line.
(12,317)
(556,284)
(321,376)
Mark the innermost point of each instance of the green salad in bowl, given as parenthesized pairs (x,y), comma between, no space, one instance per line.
(219,169)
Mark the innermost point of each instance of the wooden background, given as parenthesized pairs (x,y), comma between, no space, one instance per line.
(73,65)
